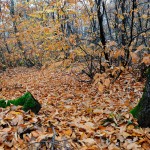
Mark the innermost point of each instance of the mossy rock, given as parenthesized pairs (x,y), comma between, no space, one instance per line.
(27,101)
(142,110)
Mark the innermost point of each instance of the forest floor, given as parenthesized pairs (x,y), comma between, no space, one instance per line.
(74,115)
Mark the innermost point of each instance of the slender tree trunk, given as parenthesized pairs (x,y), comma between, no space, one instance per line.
(100,21)
(123,29)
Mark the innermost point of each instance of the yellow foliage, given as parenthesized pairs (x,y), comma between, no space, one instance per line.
(134,56)
(120,16)
(146,59)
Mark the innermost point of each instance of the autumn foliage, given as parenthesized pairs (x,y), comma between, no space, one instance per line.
(85,62)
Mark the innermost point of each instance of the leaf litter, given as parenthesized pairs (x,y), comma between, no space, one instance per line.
(74,115)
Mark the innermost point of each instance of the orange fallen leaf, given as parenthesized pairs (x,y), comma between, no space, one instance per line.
(35,134)
(100,88)
(135,58)
(68,132)
(146,60)
(130,127)
(83,135)
(146,146)
(107,82)
(6,130)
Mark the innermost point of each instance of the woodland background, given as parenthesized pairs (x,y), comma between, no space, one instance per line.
(100,32)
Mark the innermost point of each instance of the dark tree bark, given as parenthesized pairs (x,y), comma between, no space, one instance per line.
(142,110)
(123,29)
(100,16)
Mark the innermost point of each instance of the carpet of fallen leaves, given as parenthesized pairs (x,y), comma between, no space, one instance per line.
(74,115)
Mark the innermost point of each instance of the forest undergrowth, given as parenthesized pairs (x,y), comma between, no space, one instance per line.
(74,115)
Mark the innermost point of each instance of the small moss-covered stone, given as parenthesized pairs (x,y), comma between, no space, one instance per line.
(27,101)
(3,103)
(142,110)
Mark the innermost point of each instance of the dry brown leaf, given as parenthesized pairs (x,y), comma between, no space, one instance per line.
(6,130)
(118,53)
(135,58)
(133,146)
(68,132)
(90,124)
(125,134)
(139,48)
(138,132)
(17,120)
(68,107)
(94,147)
(86,128)
(107,82)
(83,135)
(89,141)
(35,134)
(97,111)
(146,60)
(84,148)
(146,146)
(100,88)
(130,127)
(113,147)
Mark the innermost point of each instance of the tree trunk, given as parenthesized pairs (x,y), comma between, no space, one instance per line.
(100,16)
(142,110)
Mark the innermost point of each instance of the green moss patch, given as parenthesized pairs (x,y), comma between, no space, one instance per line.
(27,101)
